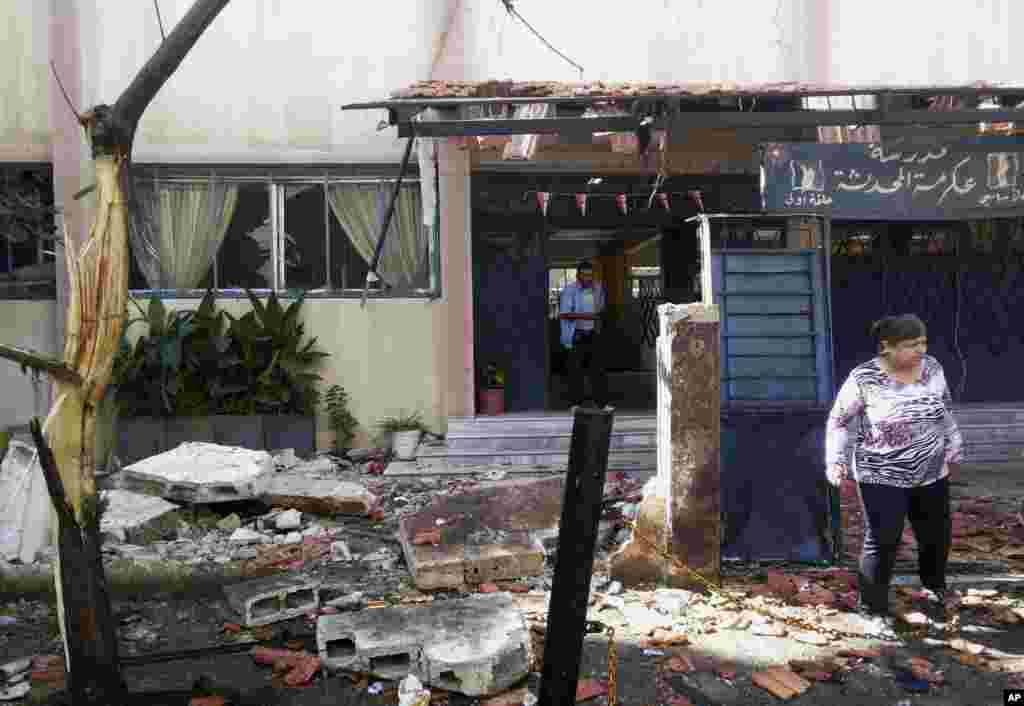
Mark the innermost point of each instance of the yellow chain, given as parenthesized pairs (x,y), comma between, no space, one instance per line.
(742,604)
(613,698)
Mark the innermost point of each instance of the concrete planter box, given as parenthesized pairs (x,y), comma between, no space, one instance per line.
(139,438)
(290,431)
(245,430)
(183,429)
(142,437)
(405,443)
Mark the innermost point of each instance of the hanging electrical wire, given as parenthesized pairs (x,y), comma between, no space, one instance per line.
(159,19)
(962,384)
(510,7)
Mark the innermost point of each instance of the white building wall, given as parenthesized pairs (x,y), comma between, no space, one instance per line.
(24,80)
(267,80)
(867,42)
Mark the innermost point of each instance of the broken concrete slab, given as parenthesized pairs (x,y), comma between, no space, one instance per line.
(488,533)
(271,600)
(316,496)
(11,670)
(475,646)
(25,515)
(128,513)
(16,692)
(199,472)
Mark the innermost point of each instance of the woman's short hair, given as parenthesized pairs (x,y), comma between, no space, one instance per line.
(904,327)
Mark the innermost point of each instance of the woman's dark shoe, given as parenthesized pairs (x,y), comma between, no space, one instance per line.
(877,622)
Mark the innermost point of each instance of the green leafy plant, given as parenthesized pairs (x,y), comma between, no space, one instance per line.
(275,360)
(401,422)
(146,373)
(339,417)
(205,362)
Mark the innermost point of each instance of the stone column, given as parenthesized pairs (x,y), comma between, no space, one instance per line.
(681,509)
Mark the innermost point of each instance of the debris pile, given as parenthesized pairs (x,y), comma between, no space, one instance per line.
(982,533)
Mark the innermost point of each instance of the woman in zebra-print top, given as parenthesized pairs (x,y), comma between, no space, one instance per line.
(891,432)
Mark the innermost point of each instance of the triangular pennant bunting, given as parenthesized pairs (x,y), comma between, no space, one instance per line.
(581,203)
(620,201)
(663,200)
(542,200)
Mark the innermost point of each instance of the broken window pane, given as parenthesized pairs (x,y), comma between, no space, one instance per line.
(305,237)
(244,259)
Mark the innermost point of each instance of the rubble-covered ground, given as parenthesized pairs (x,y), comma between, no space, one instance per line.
(673,646)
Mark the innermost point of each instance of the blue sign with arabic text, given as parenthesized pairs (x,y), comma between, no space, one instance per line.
(974,178)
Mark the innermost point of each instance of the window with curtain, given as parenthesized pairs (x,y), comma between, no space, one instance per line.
(317,235)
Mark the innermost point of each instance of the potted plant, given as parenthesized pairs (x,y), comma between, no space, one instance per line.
(340,418)
(405,431)
(492,392)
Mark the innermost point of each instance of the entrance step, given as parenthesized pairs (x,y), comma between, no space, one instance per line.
(632,459)
(993,433)
(542,439)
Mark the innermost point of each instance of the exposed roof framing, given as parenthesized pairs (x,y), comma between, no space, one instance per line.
(467,109)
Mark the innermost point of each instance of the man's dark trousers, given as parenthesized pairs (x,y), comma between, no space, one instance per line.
(586,357)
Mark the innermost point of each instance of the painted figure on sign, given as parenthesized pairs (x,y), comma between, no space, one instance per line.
(892,438)
(580,307)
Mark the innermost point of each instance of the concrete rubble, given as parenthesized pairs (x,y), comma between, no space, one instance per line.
(305,491)
(14,679)
(482,535)
(475,646)
(198,472)
(24,504)
(128,512)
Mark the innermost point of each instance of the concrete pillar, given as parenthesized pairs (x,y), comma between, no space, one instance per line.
(681,509)
(453,314)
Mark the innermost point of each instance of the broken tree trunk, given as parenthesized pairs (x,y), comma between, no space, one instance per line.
(98,293)
(86,611)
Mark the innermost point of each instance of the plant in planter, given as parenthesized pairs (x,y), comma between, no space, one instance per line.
(492,391)
(244,381)
(340,418)
(146,374)
(404,431)
(274,374)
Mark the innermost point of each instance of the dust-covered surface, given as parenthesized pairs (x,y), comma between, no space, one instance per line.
(670,645)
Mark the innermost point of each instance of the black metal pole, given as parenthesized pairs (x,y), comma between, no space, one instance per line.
(577,536)
(372,272)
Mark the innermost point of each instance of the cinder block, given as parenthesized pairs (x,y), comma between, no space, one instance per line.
(476,646)
(271,600)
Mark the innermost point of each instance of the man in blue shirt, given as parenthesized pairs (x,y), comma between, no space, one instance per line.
(579,310)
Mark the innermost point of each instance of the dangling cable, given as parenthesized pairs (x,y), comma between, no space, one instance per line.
(961,386)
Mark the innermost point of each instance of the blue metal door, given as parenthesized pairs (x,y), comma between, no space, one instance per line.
(775,333)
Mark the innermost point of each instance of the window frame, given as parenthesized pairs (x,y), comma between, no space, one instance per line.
(277,180)
(13,289)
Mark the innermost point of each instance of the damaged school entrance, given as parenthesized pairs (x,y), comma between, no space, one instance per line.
(531,230)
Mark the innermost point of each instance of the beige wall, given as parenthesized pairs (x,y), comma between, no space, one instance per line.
(383,355)
(26,324)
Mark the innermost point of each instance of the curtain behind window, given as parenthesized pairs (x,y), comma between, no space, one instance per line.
(177,229)
(360,210)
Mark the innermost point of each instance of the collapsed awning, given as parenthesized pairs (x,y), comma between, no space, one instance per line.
(454,109)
